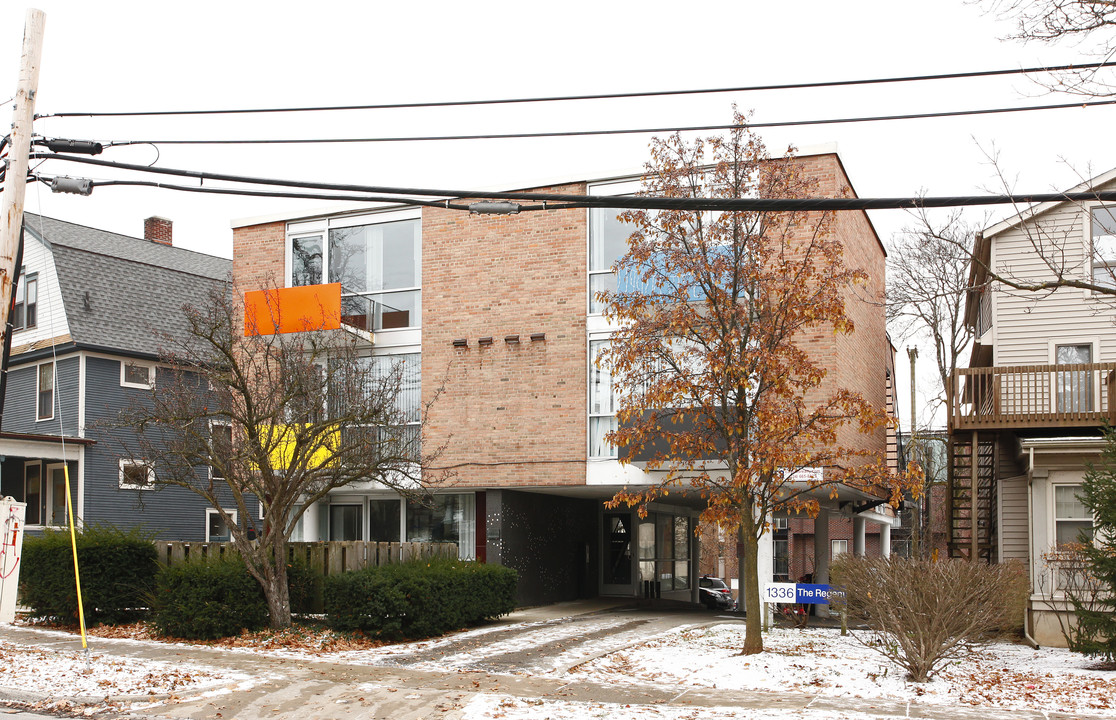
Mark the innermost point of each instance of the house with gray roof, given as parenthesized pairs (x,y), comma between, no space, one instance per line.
(93,309)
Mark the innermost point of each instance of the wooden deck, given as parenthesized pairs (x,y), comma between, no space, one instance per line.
(1032,396)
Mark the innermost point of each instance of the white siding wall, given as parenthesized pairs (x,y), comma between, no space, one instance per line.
(51,313)
(1025,323)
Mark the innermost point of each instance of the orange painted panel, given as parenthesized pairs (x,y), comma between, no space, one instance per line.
(295,309)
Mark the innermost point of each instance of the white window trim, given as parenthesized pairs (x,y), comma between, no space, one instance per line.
(833,546)
(1087,244)
(138,363)
(221,423)
(589,414)
(53,391)
(129,462)
(215,511)
(1053,344)
(28,464)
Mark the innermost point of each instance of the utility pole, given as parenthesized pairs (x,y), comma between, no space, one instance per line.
(916,526)
(15,178)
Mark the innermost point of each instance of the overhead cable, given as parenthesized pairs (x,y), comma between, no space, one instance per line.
(622,131)
(381,193)
(601,96)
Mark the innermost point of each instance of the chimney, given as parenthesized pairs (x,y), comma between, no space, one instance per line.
(157,229)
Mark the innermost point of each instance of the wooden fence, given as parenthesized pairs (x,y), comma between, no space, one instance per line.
(331,557)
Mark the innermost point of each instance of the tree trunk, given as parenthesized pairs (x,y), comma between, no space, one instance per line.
(748,560)
(275,585)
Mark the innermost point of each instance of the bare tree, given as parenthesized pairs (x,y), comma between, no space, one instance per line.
(927,285)
(239,416)
(1080,21)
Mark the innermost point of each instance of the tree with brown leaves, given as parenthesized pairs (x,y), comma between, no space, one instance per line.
(715,387)
(239,416)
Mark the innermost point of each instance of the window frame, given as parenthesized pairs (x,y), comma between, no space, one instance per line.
(1096,262)
(26,314)
(149,366)
(133,463)
(599,417)
(839,543)
(39,504)
(39,417)
(214,423)
(209,512)
(1055,519)
(323,228)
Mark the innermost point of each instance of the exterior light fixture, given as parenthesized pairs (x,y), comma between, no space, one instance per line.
(538,337)
(461,342)
(511,339)
(485,341)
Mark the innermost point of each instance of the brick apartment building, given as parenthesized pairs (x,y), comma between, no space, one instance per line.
(495,315)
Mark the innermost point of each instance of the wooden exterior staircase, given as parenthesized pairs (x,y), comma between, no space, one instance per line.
(972,496)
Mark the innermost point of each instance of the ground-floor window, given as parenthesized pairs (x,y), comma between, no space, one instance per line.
(664,550)
(449,518)
(345,522)
(44,491)
(216,529)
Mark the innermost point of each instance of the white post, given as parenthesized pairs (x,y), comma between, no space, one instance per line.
(885,540)
(821,556)
(859,524)
(310,531)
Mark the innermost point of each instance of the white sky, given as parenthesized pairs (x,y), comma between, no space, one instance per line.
(113,56)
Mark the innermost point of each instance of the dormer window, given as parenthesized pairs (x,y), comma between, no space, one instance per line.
(27,302)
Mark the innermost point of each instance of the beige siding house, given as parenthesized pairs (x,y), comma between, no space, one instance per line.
(1027,416)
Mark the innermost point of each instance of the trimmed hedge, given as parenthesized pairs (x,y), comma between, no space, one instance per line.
(117,574)
(419,599)
(204,600)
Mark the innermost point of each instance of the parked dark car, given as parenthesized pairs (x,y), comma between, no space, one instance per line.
(714,593)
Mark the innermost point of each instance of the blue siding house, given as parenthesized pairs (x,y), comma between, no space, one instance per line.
(92,308)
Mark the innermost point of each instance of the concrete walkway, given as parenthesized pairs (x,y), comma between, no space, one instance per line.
(335,690)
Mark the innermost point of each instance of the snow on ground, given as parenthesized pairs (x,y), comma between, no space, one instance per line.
(63,673)
(505,707)
(821,661)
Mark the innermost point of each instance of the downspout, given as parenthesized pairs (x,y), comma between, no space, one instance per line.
(1030,550)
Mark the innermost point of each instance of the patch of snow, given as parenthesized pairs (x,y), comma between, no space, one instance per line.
(821,661)
(65,673)
(505,707)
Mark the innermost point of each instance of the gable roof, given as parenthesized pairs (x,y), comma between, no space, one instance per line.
(120,292)
(1034,211)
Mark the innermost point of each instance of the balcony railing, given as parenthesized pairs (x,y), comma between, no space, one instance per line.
(1032,396)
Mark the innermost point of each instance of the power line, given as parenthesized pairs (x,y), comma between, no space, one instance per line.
(602,96)
(377,193)
(623,131)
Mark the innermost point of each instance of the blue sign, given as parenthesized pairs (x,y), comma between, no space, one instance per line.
(816,594)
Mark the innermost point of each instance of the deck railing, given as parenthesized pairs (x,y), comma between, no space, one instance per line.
(1022,396)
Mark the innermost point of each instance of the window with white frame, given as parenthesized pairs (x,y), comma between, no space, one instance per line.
(379,267)
(26,313)
(1104,245)
(216,529)
(1074,387)
(837,548)
(137,374)
(1072,518)
(45,391)
(220,448)
(602,403)
(136,474)
(608,242)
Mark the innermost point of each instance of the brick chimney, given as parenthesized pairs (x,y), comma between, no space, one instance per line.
(157,229)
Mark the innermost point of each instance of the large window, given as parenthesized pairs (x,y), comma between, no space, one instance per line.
(306,260)
(1104,245)
(345,522)
(602,403)
(608,241)
(664,550)
(1071,517)
(447,518)
(27,302)
(46,391)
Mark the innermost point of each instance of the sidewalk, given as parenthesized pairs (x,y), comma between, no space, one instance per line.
(340,690)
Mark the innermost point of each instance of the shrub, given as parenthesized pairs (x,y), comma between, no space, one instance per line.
(419,599)
(305,585)
(203,600)
(922,613)
(117,574)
